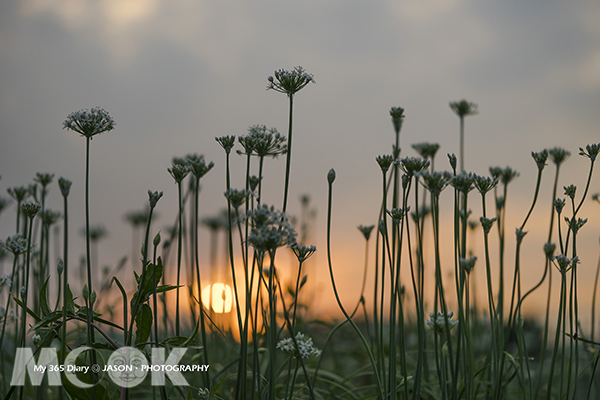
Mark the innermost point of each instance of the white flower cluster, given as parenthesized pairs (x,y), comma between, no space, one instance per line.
(270,229)
(89,122)
(306,347)
(263,142)
(5,281)
(36,339)
(16,244)
(302,252)
(290,82)
(204,393)
(439,322)
(467,263)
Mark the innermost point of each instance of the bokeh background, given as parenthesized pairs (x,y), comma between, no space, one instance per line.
(175,74)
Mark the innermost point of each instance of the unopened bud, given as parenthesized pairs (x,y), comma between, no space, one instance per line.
(331,176)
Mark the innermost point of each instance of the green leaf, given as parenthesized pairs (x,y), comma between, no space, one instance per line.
(29,310)
(70,300)
(49,319)
(166,288)
(151,269)
(44,307)
(146,288)
(107,322)
(143,323)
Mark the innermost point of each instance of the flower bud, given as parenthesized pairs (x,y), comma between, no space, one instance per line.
(153,198)
(549,249)
(65,186)
(452,159)
(331,176)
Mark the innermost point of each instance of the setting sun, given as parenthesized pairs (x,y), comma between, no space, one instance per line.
(222,298)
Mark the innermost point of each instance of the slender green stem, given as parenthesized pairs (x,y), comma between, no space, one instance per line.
(548,273)
(421,360)
(26,294)
(273,328)
(230,248)
(288,159)
(206,376)
(462,143)
(384,246)
(339,302)
(294,341)
(179,244)
(574,317)
(515,311)
(136,306)
(557,336)
(65,281)
(12,277)
(593,308)
(90,304)
(41,271)
(163,391)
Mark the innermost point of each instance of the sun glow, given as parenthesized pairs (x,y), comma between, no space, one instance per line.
(218,296)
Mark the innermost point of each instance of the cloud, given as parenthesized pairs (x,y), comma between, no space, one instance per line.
(215,33)
(70,12)
(125,13)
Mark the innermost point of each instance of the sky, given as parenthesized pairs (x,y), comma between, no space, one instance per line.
(174,75)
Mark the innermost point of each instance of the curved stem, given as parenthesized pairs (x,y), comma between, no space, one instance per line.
(339,302)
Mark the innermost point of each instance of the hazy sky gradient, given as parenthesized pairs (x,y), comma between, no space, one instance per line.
(175,74)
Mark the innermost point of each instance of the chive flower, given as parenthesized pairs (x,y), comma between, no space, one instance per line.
(179,172)
(366,230)
(89,123)
(591,151)
(426,150)
(463,108)
(384,162)
(16,244)
(397,114)
(270,229)
(306,347)
(65,186)
(558,155)
(414,165)
(226,142)
(302,252)
(31,209)
(440,321)
(289,82)
(540,158)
